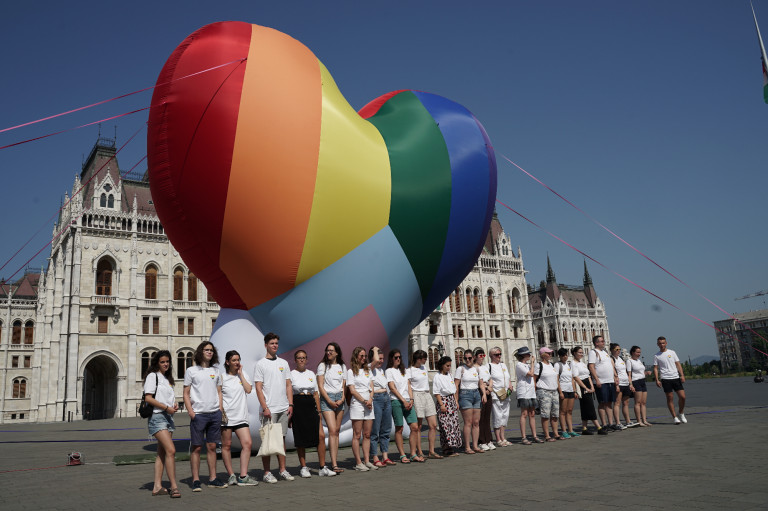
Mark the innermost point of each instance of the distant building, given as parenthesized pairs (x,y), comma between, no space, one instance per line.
(735,340)
(567,316)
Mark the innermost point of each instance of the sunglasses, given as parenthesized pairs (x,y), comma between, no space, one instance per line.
(397,357)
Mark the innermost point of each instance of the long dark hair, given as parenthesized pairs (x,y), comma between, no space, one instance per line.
(391,360)
(418,354)
(327,361)
(199,354)
(228,357)
(154,365)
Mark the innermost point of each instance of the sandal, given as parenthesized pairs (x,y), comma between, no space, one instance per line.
(161,491)
(418,459)
(538,440)
(435,456)
(525,441)
(337,469)
(404,459)
(175,493)
(478,451)
(469,451)
(558,437)
(550,439)
(379,464)
(389,462)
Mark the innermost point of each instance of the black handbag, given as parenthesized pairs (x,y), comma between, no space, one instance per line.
(146,409)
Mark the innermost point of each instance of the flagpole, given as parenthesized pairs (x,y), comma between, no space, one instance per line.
(763,57)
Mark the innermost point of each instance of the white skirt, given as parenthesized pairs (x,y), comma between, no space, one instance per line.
(358,411)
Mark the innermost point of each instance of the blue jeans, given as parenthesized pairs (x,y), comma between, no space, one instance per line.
(382,422)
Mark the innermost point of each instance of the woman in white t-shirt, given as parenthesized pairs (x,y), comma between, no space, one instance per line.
(234,388)
(360,385)
(423,402)
(382,410)
(158,391)
(331,378)
(305,420)
(444,388)
(502,388)
(403,409)
(471,398)
(583,380)
(636,372)
(548,394)
(526,393)
(485,435)
(624,389)
(564,370)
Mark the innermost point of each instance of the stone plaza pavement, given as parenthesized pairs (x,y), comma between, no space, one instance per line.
(716,461)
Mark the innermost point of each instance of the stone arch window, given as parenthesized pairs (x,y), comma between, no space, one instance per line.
(29,332)
(111,201)
(184,360)
(178,284)
(476,300)
(146,359)
(601,331)
(491,302)
(150,282)
(432,356)
(458,357)
(457,299)
(104,272)
(1,329)
(19,388)
(16,332)
(191,287)
(468,295)
(103,200)
(565,333)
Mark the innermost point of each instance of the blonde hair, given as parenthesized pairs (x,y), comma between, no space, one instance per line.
(353,363)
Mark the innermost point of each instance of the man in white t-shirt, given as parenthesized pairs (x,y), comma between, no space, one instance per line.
(272,381)
(203,400)
(606,383)
(672,378)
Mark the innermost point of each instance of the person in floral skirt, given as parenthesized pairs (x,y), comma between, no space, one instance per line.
(444,389)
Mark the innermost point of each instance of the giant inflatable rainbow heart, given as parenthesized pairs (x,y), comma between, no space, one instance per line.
(322,222)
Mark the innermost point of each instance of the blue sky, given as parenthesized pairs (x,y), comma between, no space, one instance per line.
(648,115)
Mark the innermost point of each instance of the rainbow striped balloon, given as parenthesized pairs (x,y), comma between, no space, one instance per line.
(325,223)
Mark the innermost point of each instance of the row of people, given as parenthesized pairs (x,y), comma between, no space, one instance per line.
(299,398)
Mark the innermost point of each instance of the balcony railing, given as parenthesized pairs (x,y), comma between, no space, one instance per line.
(103,300)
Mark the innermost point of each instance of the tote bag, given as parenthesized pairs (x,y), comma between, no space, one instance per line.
(271,439)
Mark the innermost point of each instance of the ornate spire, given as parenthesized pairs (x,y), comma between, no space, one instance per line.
(553,291)
(589,289)
(587,278)
(550,272)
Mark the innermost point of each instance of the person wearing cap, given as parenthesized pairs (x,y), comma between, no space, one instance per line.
(606,382)
(548,393)
(526,393)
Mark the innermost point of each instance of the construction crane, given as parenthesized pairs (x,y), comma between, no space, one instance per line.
(759,293)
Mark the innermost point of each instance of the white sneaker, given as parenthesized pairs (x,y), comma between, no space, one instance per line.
(232,481)
(269,478)
(677,421)
(286,476)
(491,446)
(304,472)
(683,419)
(371,466)
(326,472)
(485,447)
(360,467)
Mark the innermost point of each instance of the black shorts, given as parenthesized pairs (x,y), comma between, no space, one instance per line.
(672,385)
(236,427)
(640,385)
(625,392)
(569,395)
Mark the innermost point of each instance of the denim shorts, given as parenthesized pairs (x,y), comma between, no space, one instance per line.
(335,396)
(160,421)
(606,393)
(470,398)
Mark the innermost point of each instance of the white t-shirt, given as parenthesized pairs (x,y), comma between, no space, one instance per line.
(666,362)
(621,370)
(400,381)
(333,377)
(603,366)
(419,378)
(443,385)
(235,402)
(469,377)
(163,391)
(361,382)
(273,374)
(203,383)
(303,383)
(547,378)
(379,380)
(500,376)
(580,370)
(485,372)
(637,368)
(566,376)
(525,387)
